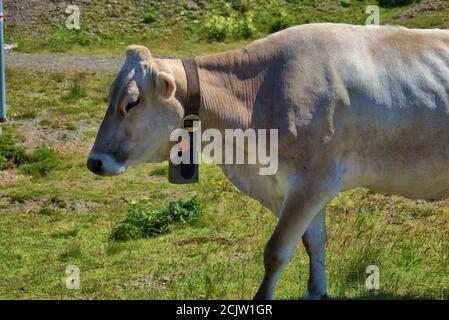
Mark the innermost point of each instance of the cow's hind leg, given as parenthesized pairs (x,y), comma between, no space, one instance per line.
(302,203)
(314,239)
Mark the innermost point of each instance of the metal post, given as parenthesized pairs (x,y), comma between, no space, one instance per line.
(2,69)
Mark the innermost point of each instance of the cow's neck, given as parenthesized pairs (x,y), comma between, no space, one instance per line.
(229,84)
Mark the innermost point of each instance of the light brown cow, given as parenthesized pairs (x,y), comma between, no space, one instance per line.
(355,106)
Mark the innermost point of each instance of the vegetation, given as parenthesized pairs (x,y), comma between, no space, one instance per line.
(144,221)
(67,217)
(10,154)
(210,246)
(396,3)
(197,27)
(41,162)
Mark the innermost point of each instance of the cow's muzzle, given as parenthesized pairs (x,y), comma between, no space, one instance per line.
(95,165)
(105,165)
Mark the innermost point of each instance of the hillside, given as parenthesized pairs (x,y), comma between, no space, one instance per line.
(191,26)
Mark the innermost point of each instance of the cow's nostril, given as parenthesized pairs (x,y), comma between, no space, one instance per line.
(94,165)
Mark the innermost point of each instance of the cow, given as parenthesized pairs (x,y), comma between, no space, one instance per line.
(354,106)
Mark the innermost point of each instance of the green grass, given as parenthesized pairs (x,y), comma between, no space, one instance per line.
(175,27)
(10,154)
(144,221)
(66,218)
(41,162)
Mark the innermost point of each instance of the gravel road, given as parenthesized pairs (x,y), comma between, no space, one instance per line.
(62,62)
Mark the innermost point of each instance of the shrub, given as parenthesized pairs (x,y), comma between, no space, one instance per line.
(149,16)
(395,3)
(246,25)
(41,162)
(10,154)
(280,21)
(142,220)
(241,6)
(218,28)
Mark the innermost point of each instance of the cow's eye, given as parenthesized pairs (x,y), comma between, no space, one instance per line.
(132,105)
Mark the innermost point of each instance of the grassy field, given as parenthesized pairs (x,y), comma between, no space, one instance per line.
(55,213)
(65,217)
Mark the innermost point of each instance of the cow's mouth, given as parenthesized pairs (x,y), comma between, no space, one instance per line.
(105,165)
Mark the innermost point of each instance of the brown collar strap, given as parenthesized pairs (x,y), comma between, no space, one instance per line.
(192,105)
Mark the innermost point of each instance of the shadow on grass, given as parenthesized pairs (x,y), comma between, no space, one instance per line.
(379,295)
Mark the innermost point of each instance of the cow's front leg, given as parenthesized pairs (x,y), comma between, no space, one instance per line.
(314,239)
(299,208)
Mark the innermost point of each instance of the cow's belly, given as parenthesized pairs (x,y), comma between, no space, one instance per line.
(431,183)
(268,190)
(416,168)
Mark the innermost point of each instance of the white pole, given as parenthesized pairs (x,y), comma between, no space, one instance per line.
(2,70)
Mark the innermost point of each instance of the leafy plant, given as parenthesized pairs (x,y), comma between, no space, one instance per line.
(142,220)
(218,28)
(10,154)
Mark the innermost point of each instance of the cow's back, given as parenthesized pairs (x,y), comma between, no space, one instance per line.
(379,96)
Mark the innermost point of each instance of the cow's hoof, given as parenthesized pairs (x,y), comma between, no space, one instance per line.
(310,296)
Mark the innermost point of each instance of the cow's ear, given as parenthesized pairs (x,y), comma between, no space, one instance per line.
(165,85)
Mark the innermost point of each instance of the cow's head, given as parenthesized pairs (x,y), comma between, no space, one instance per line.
(142,113)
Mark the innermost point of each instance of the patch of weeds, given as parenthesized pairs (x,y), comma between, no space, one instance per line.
(19,197)
(26,115)
(10,155)
(57,201)
(72,251)
(280,20)
(62,38)
(149,16)
(45,123)
(77,89)
(246,26)
(41,162)
(47,211)
(71,127)
(114,248)
(57,76)
(20,137)
(241,6)
(218,28)
(65,234)
(143,220)
(159,171)
(395,3)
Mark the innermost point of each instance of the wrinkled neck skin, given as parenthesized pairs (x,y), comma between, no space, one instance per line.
(229,83)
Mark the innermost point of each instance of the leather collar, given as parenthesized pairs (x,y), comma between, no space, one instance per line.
(193,101)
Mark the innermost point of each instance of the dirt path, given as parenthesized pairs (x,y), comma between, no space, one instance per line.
(62,62)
